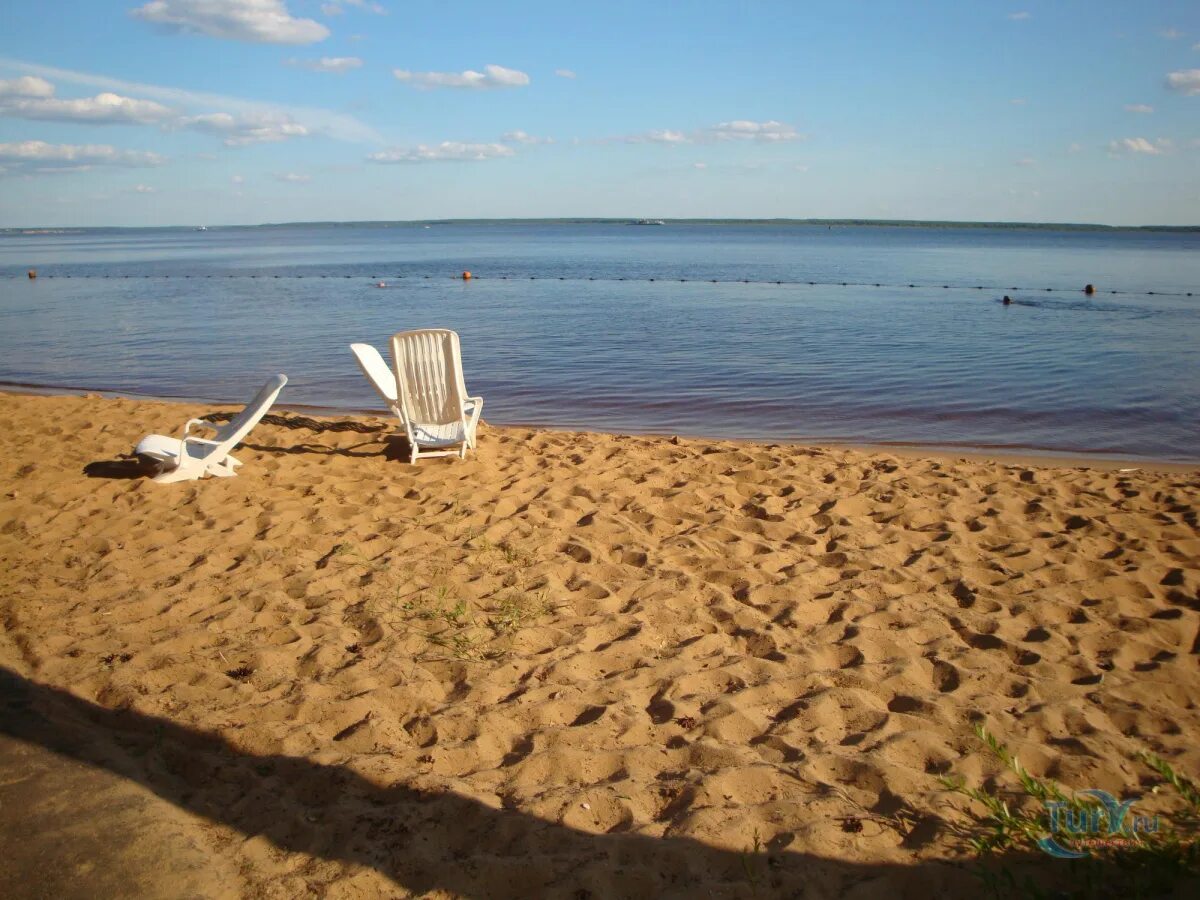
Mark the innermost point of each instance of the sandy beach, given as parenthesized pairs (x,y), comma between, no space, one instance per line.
(576,665)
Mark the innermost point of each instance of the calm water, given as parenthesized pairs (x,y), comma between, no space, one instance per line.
(563,327)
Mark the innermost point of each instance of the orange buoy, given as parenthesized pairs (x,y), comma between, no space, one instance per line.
(381,284)
(466,276)
(32,274)
(1089,289)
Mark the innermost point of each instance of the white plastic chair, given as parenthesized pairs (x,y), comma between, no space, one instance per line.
(434,406)
(379,374)
(191,457)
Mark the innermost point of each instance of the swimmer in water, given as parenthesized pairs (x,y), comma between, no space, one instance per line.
(1007,301)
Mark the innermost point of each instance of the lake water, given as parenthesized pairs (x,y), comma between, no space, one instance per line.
(613,327)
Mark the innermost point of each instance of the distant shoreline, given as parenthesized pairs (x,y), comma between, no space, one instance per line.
(41,230)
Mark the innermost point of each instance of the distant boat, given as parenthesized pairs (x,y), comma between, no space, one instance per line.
(649,222)
(202,228)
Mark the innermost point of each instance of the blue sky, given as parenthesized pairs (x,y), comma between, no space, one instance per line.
(247,111)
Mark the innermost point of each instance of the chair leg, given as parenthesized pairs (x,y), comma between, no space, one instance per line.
(472,425)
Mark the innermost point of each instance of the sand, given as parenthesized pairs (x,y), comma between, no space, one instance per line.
(573,665)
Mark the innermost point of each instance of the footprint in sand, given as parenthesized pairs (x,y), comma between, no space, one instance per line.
(903,704)
(945,676)
(848,657)
(589,715)
(577,552)
(423,732)
(589,589)
(660,709)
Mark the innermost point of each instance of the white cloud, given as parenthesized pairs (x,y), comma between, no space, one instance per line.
(44,157)
(1139,108)
(1186,81)
(293,178)
(108,108)
(490,77)
(256,21)
(739,130)
(1171,34)
(666,136)
(143,189)
(237,179)
(1019,16)
(336,64)
(445,151)
(26,86)
(1138,145)
(335,9)
(657,136)
(1075,148)
(1026,161)
(564,73)
(33,98)
(248,128)
(699,165)
(376,8)
(521,137)
(315,120)
(801,168)
(1017,101)
(742,130)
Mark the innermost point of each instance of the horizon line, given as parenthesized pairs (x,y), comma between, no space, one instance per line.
(583,220)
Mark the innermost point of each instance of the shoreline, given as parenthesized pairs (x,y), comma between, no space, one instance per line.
(914,450)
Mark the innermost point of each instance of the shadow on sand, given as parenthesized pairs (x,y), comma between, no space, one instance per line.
(420,841)
(394,448)
(130,467)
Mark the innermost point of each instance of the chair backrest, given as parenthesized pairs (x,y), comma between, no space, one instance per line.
(241,424)
(429,375)
(371,362)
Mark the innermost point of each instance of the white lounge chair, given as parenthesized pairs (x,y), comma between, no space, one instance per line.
(380,375)
(434,406)
(190,457)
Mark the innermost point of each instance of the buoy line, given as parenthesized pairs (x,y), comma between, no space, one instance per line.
(382,281)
